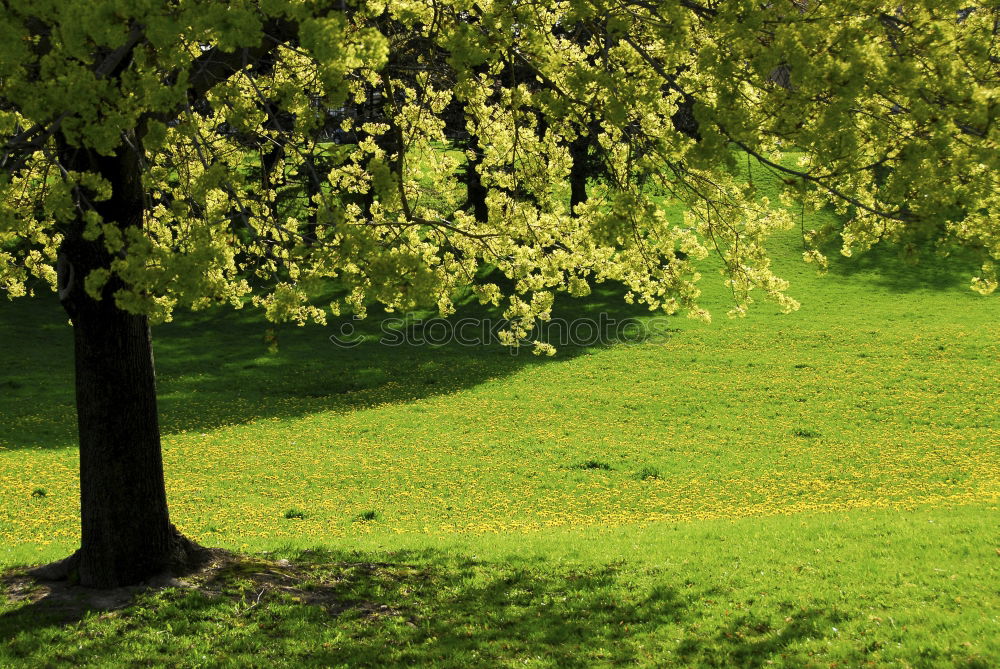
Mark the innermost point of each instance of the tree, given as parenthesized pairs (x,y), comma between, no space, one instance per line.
(159,156)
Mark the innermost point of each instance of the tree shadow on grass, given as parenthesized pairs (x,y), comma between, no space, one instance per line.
(214,368)
(887,266)
(402,609)
(751,640)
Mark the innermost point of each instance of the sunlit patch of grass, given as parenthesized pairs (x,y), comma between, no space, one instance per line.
(726,414)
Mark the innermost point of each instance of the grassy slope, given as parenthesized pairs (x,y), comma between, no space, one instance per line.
(828,485)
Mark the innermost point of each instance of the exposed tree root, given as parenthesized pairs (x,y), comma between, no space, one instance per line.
(60,570)
(185,556)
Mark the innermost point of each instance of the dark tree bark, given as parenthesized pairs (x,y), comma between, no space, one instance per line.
(126,531)
(475,190)
(578,173)
(126,528)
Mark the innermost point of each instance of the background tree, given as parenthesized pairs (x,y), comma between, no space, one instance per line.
(159,156)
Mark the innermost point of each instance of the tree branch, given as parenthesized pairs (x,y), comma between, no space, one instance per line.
(215,66)
(22,145)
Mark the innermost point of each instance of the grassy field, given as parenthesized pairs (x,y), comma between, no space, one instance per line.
(812,489)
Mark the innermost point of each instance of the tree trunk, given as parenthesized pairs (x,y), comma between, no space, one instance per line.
(578,172)
(475,189)
(126,532)
(584,165)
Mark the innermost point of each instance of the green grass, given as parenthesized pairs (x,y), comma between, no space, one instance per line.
(882,588)
(799,490)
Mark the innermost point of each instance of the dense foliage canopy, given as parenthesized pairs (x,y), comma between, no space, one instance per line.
(404,147)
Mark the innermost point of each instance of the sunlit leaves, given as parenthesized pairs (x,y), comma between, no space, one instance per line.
(341,147)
